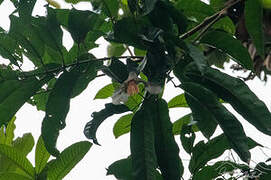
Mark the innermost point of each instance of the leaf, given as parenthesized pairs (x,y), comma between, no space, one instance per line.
(218,169)
(24,144)
(12,176)
(98,117)
(117,70)
(57,108)
(263,170)
(142,144)
(232,128)
(115,49)
(76,1)
(105,92)
(238,94)
(25,8)
(41,156)
(67,159)
(86,73)
(7,134)
(86,20)
(123,125)
(142,7)
(18,158)
(202,153)
(206,121)
(13,97)
(110,8)
(187,138)
(197,55)
(121,169)
(254,24)
(178,101)
(229,45)
(177,125)
(167,150)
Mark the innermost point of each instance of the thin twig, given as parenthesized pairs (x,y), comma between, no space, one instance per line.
(59,69)
(211,19)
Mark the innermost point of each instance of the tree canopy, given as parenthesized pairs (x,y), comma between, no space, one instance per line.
(183,42)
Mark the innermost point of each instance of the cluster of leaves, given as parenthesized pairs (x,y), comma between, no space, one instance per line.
(183,36)
(14,164)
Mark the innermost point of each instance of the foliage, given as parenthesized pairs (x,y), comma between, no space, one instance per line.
(186,37)
(15,165)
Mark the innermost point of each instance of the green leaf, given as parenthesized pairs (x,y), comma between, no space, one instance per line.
(254,24)
(197,55)
(98,117)
(86,73)
(41,156)
(110,8)
(177,125)
(229,124)
(57,108)
(142,144)
(13,176)
(9,49)
(206,121)
(115,49)
(226,43)
(105,92)
(142,7)
(76,1)
(178,101)
(18,158)
(121,169)
(68,159)
(7,135)
(117,70)
(86,20)
(24,144)
(187,138)
(123,125)
(263,170)
(218,169)
(238,94)
(25,8)
(14,93)
(167,151)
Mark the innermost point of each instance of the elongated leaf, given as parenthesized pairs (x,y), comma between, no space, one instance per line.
(166,148)
(105,92)
(123,125)
(254,25)
(57,108)
(197,55)
(238,94)
(13,176)
(178,101)
(206,121)
(202,153)
(115,49)
(13,98)
(232,128)
(142,7)
(24,144)
(142,144)
(18,158)
(177,125)
(98,117)
(86,20)
(187,138)
(41,156)
(226,43)
(7,134)
(219,168)
(68,159)
(121,169)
